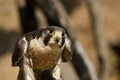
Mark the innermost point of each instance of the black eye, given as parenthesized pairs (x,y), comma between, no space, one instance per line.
(51,31)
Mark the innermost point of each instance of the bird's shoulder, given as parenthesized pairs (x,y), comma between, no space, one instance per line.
(22,46)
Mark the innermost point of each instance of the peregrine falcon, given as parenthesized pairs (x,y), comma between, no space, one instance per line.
(43,49)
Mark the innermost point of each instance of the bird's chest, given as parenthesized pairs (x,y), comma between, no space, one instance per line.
(44,58)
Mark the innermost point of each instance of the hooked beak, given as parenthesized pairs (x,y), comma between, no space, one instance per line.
(57,39)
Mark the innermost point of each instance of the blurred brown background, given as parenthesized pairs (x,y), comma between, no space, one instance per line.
(10,31)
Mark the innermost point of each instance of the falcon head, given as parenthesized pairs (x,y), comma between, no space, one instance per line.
(53,36)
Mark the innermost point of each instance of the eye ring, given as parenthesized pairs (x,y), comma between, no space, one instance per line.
(51,31)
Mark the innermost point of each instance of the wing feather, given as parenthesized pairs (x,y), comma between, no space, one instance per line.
(67,52)
(20,50)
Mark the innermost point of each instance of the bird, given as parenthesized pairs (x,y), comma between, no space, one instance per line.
(43,49)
